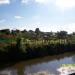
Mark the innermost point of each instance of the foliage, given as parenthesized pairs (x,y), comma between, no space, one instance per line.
(25,44)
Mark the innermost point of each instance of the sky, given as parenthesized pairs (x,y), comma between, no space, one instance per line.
(48,15)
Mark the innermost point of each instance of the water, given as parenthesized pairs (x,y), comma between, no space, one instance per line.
(45,65)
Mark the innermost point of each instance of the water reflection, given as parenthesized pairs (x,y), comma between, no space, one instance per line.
(73,58)
(51,65)
(8,72)
(47,65)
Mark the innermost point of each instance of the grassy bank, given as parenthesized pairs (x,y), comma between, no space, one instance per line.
(16,52)
(21,50)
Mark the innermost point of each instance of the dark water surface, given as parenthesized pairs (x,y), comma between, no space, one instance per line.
(48,64)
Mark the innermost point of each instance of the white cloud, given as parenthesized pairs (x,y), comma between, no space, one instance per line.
(25,1)
(62,4)
(42,1)
(18,17)
(37,1)
(4,1)
(65,4)
(2,20)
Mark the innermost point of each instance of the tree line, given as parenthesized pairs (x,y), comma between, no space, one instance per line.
(37,34)
(38,44)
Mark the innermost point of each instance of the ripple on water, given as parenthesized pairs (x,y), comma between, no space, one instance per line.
(8,72)
(40,73)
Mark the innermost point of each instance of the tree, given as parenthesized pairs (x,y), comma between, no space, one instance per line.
(5,31)
(37,31)
(24,31)
(25,34)
(15,32)
(18,45)
(31,34)
(61,35)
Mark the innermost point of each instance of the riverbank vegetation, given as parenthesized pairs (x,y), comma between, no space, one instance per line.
(18,45)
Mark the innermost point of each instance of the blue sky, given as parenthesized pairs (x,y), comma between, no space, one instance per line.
(48,15)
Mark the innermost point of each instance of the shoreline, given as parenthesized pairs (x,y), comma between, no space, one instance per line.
(15,54)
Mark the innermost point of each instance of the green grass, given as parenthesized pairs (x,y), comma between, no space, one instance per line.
(7,41)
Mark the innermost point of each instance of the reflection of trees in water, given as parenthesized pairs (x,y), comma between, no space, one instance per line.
(20,71)
(73,58)
(21,66)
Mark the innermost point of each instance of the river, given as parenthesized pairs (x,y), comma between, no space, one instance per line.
(48,64)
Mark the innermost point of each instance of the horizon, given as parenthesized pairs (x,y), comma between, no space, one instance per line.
(47,15)
(39,29)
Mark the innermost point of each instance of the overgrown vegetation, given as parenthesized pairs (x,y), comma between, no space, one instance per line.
(22,45)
